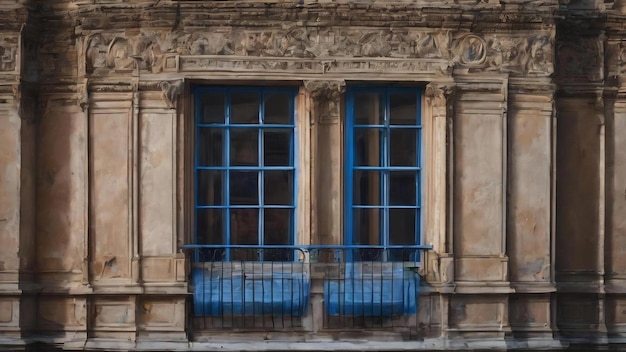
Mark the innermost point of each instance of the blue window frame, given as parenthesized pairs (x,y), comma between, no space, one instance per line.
(245,157)
(383,166)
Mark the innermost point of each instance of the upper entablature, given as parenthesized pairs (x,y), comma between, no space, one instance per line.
(91,14)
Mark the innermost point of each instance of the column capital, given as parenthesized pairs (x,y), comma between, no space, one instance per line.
(326,96)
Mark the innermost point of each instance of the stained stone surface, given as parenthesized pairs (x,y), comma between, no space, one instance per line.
(523,153)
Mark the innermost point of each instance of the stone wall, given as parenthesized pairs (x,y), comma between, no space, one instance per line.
(523,191)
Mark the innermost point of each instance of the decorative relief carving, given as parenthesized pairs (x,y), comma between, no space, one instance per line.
(518,55)
(472,50)
(326,96)
(614,58)
(156,51)
(96,53)
(119,56)
(170,90)
(8,50)
(438,94)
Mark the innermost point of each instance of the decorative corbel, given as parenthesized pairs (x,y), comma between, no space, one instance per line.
(170,90)
(438,93)
(326,96)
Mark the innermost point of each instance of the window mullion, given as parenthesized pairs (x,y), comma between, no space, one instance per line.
(385,163)
(226,187)
(351,150)
(292,161)
(261,175)
(198,111)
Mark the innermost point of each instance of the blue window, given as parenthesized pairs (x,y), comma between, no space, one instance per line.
(383,166)
(245,175)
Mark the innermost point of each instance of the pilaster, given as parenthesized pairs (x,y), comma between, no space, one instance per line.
(530,205)
(615,235)
(479,207)
(17,178)
(327,118)
(580,190)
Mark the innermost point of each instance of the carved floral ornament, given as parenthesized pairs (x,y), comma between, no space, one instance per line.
(153,50)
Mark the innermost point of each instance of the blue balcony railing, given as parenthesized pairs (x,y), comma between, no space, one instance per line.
(270,286)
(368,286)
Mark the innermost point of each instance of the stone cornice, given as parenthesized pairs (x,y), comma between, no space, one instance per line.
(181,14)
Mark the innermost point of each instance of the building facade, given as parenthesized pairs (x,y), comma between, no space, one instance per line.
(313,174)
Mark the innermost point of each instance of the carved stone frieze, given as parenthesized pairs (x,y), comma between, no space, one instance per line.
(326,95)
(317,50)
(517,55)
(471,50)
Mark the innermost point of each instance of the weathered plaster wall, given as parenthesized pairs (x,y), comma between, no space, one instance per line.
(523,182)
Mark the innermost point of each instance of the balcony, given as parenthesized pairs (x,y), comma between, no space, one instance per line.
(275,288)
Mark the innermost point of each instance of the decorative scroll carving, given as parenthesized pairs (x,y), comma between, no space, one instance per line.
(326,96)
(170,90)
(438,94)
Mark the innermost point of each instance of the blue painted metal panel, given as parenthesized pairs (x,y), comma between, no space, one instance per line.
(392,292)
(276,293)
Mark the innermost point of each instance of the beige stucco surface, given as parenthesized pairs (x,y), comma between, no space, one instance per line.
(523,175)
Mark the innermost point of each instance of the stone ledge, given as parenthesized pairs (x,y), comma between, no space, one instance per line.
(438,344)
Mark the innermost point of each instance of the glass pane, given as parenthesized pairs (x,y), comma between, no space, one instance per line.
(210,187)
(277,108)
(369,109)
(402,187)
(403,109)
(244,229)
(277,225)
(402,226)
(403,147)
(210,226)
(366,187)
(366,225)
(367,146)
(278,188)
(278,150)
(210,146)
(244,108)
(244,147)
(213,108)
(244,188)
